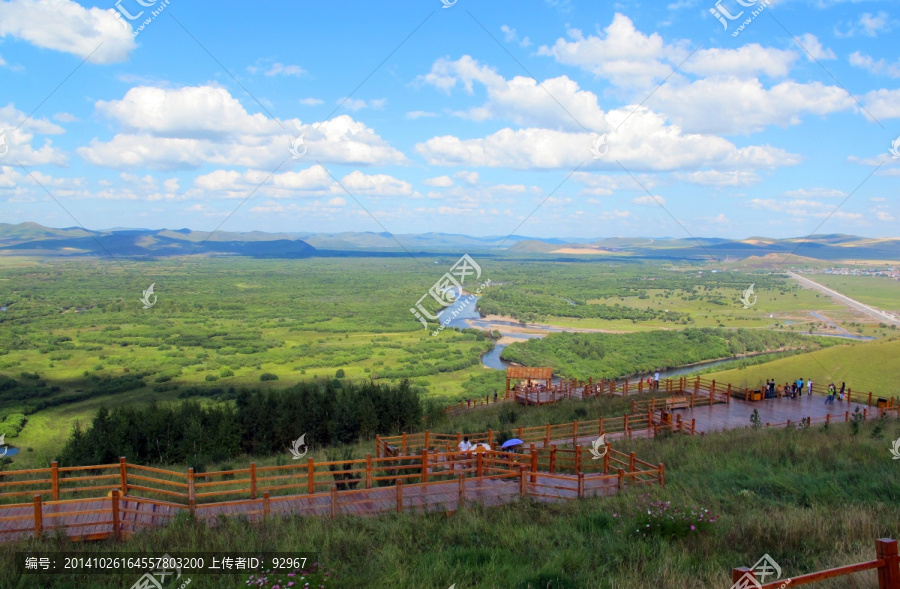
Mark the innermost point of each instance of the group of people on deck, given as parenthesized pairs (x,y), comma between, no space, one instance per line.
(795,390)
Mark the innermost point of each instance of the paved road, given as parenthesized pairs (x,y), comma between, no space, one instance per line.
(852,303)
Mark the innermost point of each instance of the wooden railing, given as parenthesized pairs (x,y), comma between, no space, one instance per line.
(886,563)
(645,425)
(325,488)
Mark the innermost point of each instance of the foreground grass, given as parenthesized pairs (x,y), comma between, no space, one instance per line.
(812,499)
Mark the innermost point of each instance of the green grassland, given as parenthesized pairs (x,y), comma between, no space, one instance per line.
(865,367)
(880,292)
(75,336)
(812,499)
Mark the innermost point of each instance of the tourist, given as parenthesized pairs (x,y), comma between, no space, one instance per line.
(831,390)
(793,387)
(656,380)
(465,445)
(843,387)
(773,388)
(469,403)
(809,384)
(495,395)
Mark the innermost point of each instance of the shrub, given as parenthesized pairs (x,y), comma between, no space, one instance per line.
(340,373)
(268,376)
(226,372)
(211,378)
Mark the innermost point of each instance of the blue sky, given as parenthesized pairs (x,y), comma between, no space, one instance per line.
(416,118)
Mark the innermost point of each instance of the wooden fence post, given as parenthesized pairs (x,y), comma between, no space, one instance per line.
(310,476)
(191,496)
(54,480)
(547,435)
(253,480)
(479,464)
(265,505)
(462,491)
(425,465)
(378,446)
(368,471)
(534,458)
(600,426)
(399,487)
(889,574)
(334,501)
(870,399)
(606,463)
(115,513)
(621,480)
(581,485)
(523,490)
(625,426)
(123,476)
(38,517)
(631,458)
(577,459)
(575,433)
(552,459)
(662,475)
(426,439)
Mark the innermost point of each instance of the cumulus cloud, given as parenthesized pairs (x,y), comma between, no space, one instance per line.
(66,26)
(18,133)
(440,181)
(646,143)
(719,178)
(881,66)
(314,181)
(185,128)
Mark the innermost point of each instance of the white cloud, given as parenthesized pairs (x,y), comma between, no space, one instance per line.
(622,55)
(279,69)
(650,201)
(510,35)
(418,114)
(813,47)
(885,216)
(881,67)
(719,178)
(867,24)
(314,181)
(732,105)
(66,26)
(883,103)
(20,141)
(311,101)
(192,126)
(440,181)
(747,61)
(646,143)
(355,104)
(470,178)
(815,193)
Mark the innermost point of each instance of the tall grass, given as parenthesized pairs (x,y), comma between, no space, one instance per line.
(812,499)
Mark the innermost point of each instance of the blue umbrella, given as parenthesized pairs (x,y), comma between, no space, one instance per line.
(511,443)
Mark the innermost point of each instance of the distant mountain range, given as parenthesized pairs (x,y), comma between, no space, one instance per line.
(32,239)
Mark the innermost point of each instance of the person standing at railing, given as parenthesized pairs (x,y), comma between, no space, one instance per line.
(809,384)
(831,392)
(656,381)
(843,388)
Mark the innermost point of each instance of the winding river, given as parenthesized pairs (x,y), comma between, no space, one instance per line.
(467,315)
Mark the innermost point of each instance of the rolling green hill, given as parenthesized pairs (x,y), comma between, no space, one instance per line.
(864,367)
